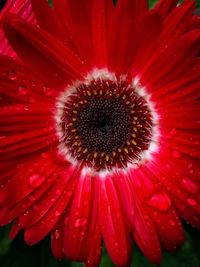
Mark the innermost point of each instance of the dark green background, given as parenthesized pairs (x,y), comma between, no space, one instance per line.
(17,254)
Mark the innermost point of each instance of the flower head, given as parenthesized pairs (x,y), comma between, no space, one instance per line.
(100,125)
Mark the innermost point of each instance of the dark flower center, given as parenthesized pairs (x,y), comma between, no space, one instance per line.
(106,124)
(103,123)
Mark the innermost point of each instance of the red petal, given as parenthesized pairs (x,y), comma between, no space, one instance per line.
(171,168)
(28,176)
(15,229)
(24,118)
(46,202)
(22,8)
(94,256)
(23,143)
(75,15)
(164,216)
(56,61)
(43,227)
(125,193)
(183,88)
(121,21)
(112,224)
(165,6)
(49,21)
(76,230)
(182,51)
(20,84)
(145,39)
(187,214)
(98,14)
(57,240)
(144,232)
(30,200)
(177,22)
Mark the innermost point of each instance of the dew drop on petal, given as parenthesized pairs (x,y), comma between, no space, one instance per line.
(12,75)
(176,154)
(57,234)
(88,262)
(80,222)
(172,223)
(190,166)
(189,185)
(57,213)
(116,244)
(26,107)
(160,201)
(192,202)
(171,133)
(48,91)
(36,180)
(22,90)
(32,198)
(33,83)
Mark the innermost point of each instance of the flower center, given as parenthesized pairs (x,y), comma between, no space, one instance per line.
(105,124)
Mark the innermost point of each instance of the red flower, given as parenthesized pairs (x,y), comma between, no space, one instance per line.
(100,125)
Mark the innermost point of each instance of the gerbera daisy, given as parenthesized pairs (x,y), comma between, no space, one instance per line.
(100,126)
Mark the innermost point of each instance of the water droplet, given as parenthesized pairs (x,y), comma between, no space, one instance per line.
(32,198)
(48,91)
(57,213)
(192,202)
(160,201)
(116,244)
(172,222)
(22,90)
(12,75)
(171,133)
(33,83)
(57,234)
(176,154)
(189,185)
(80,222)
(36,180)
(26,107)
(82,234)
(88,261)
